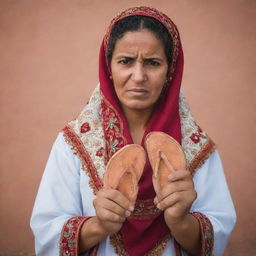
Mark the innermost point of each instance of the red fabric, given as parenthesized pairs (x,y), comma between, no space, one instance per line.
(70,235)
(140,236)
(207,233)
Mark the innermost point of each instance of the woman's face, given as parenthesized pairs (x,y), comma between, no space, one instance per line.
(139,69)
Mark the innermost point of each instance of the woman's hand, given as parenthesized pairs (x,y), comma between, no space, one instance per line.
(176,198)
(112,208)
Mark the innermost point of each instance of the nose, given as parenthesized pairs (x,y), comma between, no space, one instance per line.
(139,73)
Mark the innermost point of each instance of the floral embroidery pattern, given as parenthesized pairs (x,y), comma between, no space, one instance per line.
(145,209)
(199,158)
(93,152)
(70,235)
(100,152)
(111,124)
(207,236)
(196,144)
(85,127)
(117,242)
(195,137)
(79,150)
(113,129)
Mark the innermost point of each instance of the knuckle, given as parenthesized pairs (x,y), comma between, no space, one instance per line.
(176,197)
(117,218)
(122,200)
(176,186)
(96,203)
(170,211)
(116,196)
(162,205)
(187,174)
(100,192)
(112,192)
(105,215)
(119,210)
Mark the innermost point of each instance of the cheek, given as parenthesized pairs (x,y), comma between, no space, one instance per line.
(119,79)
(159,81)
(118,83)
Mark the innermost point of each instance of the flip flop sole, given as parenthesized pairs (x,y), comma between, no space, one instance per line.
(165,155)
(124,170)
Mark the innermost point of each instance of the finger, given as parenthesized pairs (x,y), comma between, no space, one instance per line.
(176,211)
(173,187)
(170,201)
(117,197)
(180,175)
(106,215)
(183,198)
(110,205)
(156,200)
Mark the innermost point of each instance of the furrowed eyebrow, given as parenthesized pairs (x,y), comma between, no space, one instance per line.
(154,59)
(125,56)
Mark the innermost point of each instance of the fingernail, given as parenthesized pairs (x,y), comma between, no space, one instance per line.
(127,213)
(131,208)
(158,206)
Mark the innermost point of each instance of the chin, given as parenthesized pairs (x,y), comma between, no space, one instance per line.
(139,107)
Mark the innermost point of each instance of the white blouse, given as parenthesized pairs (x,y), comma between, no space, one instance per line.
(64,192)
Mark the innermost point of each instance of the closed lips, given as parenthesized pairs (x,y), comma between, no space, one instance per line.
(137,91)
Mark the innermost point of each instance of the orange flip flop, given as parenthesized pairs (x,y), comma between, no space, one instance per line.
(124,170)
(165,155)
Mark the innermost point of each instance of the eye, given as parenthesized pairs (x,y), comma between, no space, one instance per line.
(152,62)
(125,61)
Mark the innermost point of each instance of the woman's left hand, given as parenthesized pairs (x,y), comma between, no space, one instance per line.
(176,198)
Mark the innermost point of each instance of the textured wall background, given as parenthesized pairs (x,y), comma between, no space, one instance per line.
(48,69)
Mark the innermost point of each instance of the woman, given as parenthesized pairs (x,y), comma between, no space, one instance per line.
(140,72)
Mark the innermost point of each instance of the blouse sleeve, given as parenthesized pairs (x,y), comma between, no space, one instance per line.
(213,207)
(58,214)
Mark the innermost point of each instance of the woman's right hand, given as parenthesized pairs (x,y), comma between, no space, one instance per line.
(112,208)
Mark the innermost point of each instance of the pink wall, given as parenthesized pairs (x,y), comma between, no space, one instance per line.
(48,68)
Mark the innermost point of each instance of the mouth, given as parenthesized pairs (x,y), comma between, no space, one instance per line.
(137,92)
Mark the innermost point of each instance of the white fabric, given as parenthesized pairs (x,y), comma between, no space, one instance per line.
(64,192)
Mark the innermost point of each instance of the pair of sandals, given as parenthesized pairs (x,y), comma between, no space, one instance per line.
(125,167)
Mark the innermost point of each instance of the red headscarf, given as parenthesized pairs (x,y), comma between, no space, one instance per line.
(140,236)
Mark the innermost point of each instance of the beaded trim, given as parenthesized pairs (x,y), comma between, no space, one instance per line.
(87,164)
(117,242)
(201,156)
(207,234)
(145,209)
(70,236)
(196,144)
